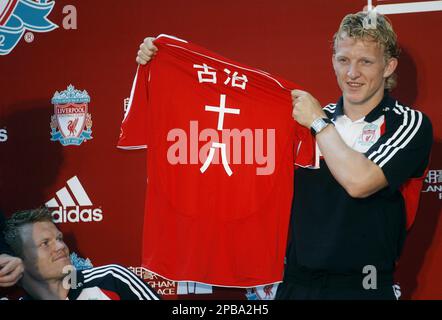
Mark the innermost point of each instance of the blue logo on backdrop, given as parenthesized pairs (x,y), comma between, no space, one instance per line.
(71,117)
(18,16)
(80,263)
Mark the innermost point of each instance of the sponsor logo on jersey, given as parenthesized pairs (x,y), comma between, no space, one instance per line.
(167,287)
(162,286)
(3,135)
(72,204)
(19,16)
(433,183)
(71,123)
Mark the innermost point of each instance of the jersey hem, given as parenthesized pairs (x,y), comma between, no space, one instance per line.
(211,284)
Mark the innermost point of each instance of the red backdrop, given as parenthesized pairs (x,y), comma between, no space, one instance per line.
(288,38)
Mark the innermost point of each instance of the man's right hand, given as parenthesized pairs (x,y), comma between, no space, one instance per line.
(147,51)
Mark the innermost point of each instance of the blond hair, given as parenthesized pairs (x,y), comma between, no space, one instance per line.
(353,26)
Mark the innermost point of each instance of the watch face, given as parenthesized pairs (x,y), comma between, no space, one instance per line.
(318,125)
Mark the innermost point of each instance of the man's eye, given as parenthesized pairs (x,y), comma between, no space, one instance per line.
(44,243)
(366,61)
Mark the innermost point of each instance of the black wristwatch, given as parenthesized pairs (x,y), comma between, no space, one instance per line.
(319,124)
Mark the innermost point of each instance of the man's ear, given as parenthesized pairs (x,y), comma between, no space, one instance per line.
(390,67)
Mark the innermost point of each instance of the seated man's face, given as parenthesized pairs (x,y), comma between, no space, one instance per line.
(44,252)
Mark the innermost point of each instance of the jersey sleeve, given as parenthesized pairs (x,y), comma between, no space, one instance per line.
(304,147)
(403,152)
(121,281)
(130,287)
(133,132)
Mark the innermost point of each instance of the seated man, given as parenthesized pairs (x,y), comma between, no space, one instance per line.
(48,272)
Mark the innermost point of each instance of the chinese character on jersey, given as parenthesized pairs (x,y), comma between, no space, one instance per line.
(221,109)
(237,81)
(207,74)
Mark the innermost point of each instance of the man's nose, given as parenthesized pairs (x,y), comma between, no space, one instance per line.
(353,71)
(60,245)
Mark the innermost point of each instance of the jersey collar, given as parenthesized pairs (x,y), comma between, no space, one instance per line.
(385,105)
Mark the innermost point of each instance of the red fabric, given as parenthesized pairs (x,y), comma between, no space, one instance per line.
(211,227)
(411,192)
(112,295)
(382,128)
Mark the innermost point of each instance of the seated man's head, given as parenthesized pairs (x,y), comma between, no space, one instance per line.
(36,240)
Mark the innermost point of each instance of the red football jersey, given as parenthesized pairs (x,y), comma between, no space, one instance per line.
(222,146)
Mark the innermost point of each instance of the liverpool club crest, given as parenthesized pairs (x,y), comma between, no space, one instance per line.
(369,135)
(71,123)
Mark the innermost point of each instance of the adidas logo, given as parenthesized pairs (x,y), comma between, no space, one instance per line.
(70,210)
